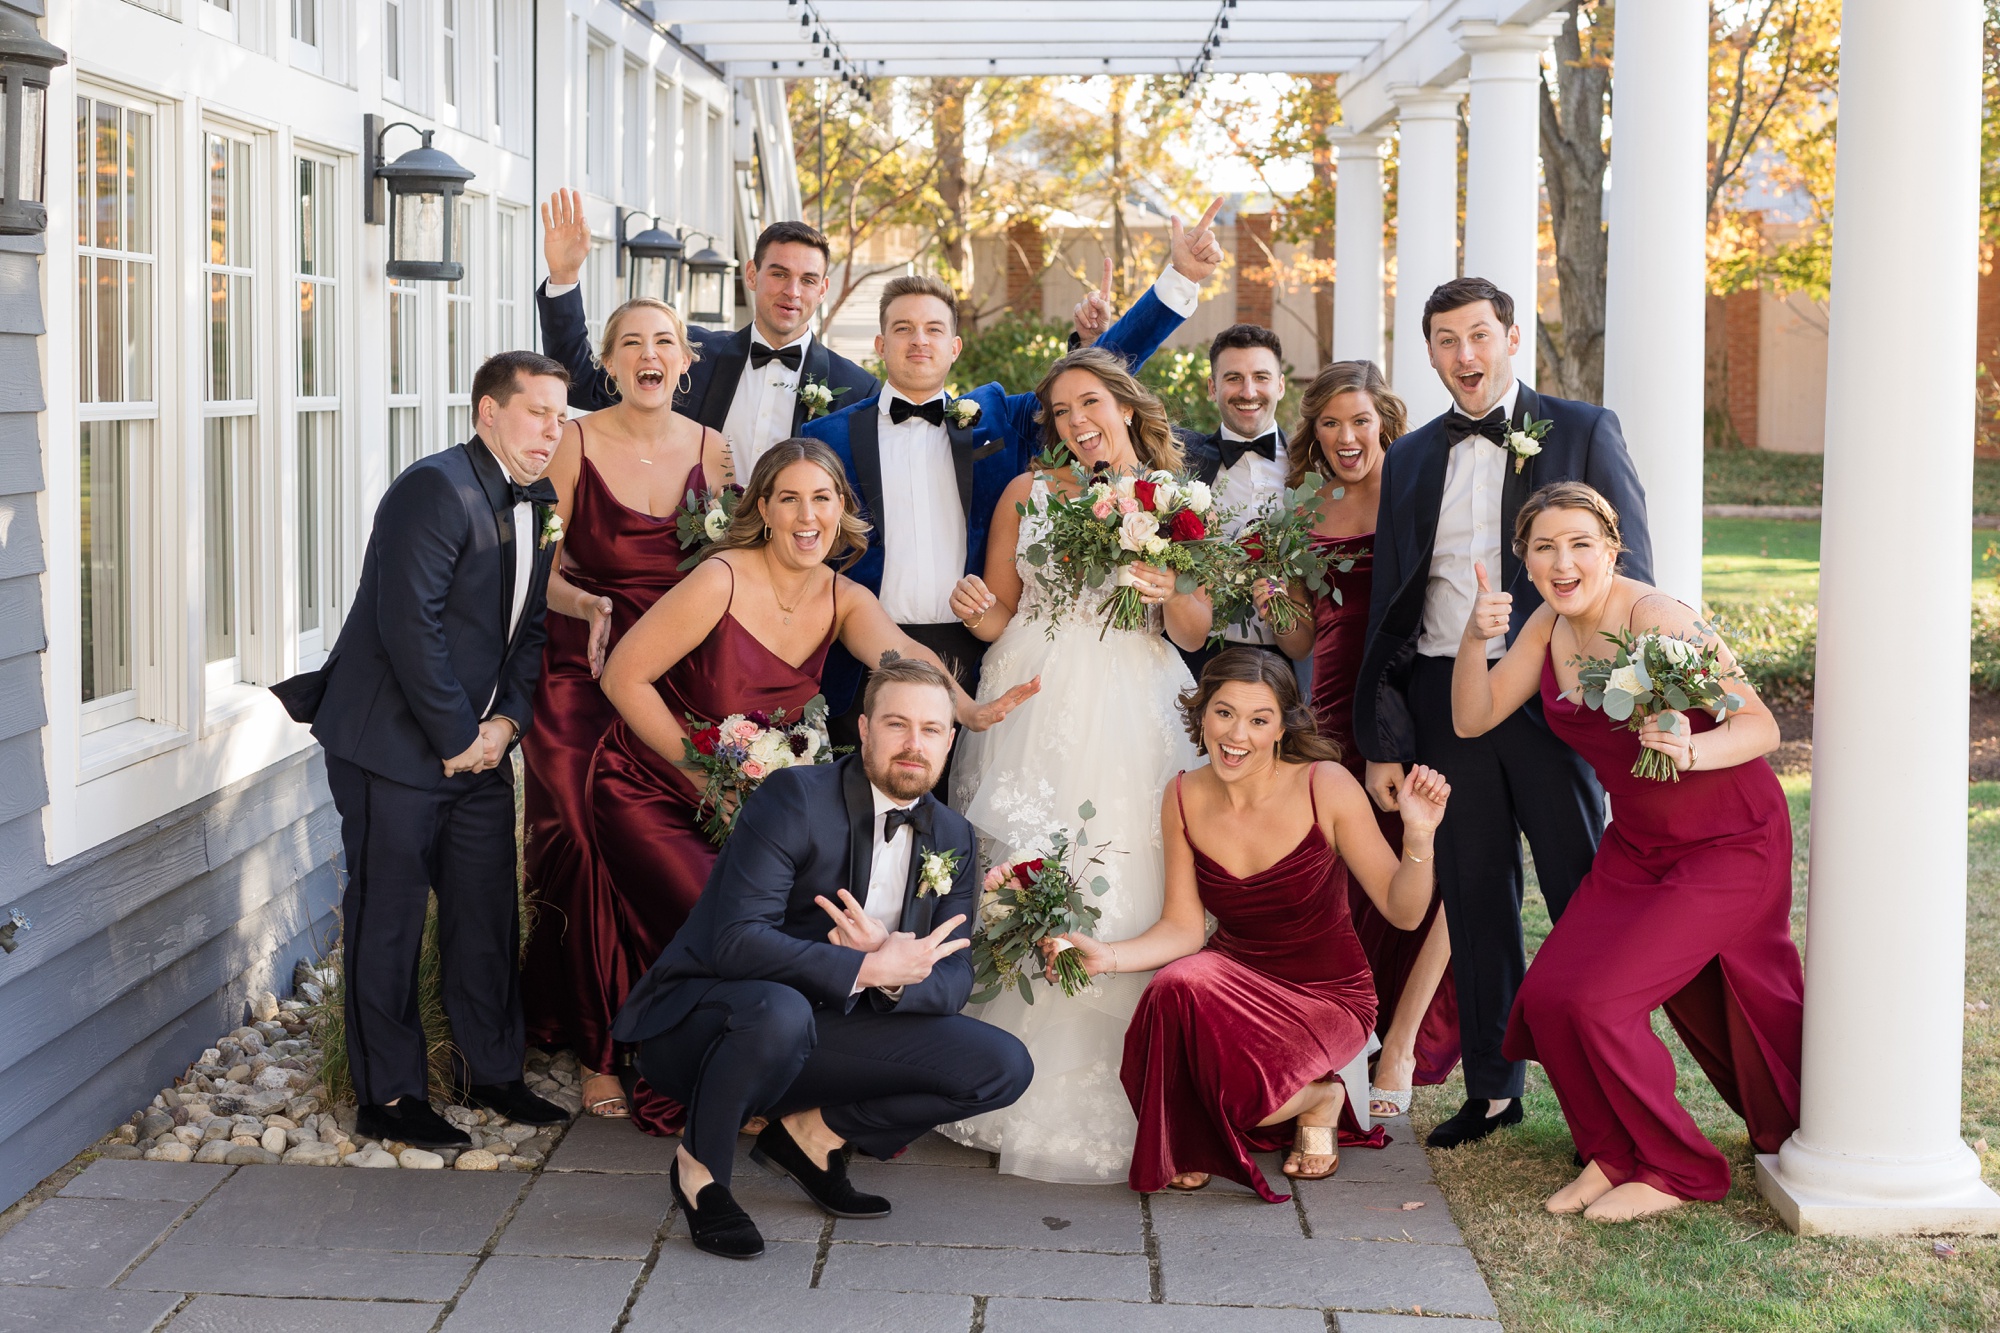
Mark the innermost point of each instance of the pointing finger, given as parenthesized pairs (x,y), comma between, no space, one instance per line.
(942,931)
(949,947)
(1106,288)
(1175,230)
(1214,207)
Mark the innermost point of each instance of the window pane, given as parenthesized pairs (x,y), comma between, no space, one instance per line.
(83,213)
(240,386)
(110,346)
(218,199)
(315,470)
(392,39)
(402,340)
(459,421)
(305,21)
(138,332)
(219,538)
(403,445)
(104,525)
(138,182)
(104,156)
(448,23)
(218,337)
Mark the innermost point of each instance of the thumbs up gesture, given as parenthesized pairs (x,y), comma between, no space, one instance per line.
(1490,610)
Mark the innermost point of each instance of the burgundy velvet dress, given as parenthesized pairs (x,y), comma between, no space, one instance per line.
(609,550)
(1279,997)
(649,855)
(1340,634)
(1687,905)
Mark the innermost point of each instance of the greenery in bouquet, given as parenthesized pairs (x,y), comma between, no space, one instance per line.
(1650,673)
(1277,545)
(1026,902)
(739,752)
(702,518)
(1117,520)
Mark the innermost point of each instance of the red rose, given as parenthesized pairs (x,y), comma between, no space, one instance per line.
(1253,545)
(1025,871)
(1187,527)
(705,739)
(1143,492)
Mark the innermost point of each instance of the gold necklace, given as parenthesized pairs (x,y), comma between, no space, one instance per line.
(789,610)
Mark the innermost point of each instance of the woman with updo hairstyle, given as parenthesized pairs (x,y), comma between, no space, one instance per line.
(748,629)
(619,479)
(1347,420)
(1687,905)
(1238,1038)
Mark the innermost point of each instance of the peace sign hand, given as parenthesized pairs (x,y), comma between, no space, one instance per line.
(1196,253)
(1093,313)
(1490,610)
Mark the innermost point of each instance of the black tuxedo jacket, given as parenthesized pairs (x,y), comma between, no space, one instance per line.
(425,643)
(711,382)
(805,832)
(1584,444)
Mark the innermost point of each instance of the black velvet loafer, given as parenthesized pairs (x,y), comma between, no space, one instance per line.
(1472,1123)
(410,1121)
(716,1222)
(826,1186)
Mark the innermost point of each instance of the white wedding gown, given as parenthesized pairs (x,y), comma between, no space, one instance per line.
(1106,729)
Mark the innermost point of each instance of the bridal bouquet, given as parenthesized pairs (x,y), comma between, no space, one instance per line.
(1159,518)
(1022,904)
(1278,545)
(739,752)
(702,518)
(1650,673)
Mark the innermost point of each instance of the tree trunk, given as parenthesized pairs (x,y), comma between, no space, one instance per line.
(954,229)
(1323,261)
(1118,187)
(1574,156)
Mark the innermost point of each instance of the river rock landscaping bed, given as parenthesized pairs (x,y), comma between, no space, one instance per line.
(255,1098)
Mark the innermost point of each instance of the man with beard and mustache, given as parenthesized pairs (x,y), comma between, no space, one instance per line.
(848,1037)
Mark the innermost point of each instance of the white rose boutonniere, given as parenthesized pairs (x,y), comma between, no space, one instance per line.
(552,528)
(1526,442)
(818,396)
(1199,497)
(939,869)
(964,413)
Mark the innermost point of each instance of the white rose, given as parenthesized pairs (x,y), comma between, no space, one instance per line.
(1523,445)
(1199,497)
(1125,487)
(1165,494)
(1099,489)
(1625,678)
(1678,651)
(715,524)
(1135,528)
(773,750)
(1156,546)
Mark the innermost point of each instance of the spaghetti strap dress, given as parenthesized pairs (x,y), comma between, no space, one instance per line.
(1279,997)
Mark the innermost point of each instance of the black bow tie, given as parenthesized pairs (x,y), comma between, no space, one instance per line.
(1265,444)
(762,354)
(1493,426)
(540,491)
(902,409)
(918,817)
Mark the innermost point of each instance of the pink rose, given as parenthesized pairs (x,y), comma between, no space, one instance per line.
(1103,508)
(1127,506)
(753,770)
(744,731)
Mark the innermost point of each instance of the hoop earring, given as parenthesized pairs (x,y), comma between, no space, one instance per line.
(687,380)
(611,383)
(767,534)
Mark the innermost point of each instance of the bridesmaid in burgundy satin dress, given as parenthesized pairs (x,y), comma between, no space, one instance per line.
(1688,904)
(618,481)
(1237,1037)
(748,628)
(1347,418)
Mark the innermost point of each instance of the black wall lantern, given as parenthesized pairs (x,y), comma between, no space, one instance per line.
(25,61)
(708,274)
(650,261)
(423,187)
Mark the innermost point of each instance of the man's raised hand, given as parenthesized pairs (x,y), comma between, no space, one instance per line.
(1196,253)
(1093,312)
(565,236)
(853,928)
(906,959)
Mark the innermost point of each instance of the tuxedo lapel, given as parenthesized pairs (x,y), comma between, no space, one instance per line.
(732,354)
(1517,485)
(918,906)
(864,440)
(854,792)
(963,456)
(500,510)
(817,367)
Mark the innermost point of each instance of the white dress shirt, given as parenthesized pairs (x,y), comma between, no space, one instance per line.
(888,874)
(922,523)
(761,412)
(1468,530)
(1247,486)
(525,538)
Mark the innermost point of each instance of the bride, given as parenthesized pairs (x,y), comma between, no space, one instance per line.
(1104,729)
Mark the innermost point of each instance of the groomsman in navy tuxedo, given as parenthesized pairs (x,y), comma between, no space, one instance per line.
(747,383)
(930,467)
(427,689)
(1244,457)
(1450,491)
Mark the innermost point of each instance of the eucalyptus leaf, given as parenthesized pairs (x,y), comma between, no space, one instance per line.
(1086,812)
(1676,698)
(1618,704)
(1037,555)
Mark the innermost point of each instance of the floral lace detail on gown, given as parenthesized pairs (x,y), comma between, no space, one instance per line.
(1105,729)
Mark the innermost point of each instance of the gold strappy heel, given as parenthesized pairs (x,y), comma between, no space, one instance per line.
(1314,1141)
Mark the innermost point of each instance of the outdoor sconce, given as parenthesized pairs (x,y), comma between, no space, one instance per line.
(422,210)
(649,262)
(25,61)
(707,272)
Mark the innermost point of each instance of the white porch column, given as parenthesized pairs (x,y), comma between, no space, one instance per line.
(1885,956)
(1654,296)
(1357,247)
(1426,233)
(1503,163)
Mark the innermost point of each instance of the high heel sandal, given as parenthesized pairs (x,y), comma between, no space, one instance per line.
(1396,1097)
(613,1107)
(1314,1141)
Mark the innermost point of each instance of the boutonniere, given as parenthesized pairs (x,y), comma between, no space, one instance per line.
(964,413)
(1526,442)
(552,528)
(939,870)
(818,396)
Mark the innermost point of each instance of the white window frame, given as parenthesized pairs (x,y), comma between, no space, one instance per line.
(407,389)
(667,103)
(316,507)
(399,26)
(513,233)
(219,18)
(451,27)
(505,39)
(463,303)
(635,95)
(598,129)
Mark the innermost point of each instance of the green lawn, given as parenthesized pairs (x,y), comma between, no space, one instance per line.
(1755,477)
(1754,559)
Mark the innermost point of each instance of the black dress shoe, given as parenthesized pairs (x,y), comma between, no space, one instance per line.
(516,1103)
(716,1222)
(826,1186)
(1472,1123)
(409,1121)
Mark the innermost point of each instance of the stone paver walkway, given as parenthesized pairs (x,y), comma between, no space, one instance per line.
(591,1244)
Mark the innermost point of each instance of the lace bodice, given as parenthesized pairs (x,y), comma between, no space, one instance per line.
(1037,602)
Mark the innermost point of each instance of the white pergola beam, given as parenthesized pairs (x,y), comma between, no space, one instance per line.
(993,67)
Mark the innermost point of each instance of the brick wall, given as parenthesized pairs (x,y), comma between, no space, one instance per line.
(1026,257)
(1253,269)
(1742,346)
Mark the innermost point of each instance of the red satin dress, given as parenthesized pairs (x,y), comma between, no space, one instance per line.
(1687,905)
(609,550)
(651,858)
(1279,997)
(1340,635)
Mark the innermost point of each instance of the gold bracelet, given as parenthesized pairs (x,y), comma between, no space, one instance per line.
(1113,950)
(1691,758)
(975,624)
(1420,860)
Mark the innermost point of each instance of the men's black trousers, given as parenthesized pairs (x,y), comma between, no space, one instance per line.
(403,843)
(1516,779)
